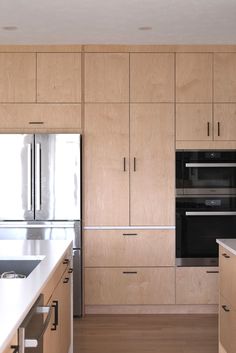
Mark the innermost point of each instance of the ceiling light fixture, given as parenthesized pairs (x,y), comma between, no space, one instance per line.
(145,28)
(10,28)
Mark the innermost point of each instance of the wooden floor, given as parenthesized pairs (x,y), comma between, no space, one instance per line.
(146,334)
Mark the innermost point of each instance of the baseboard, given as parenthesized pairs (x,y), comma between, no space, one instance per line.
(151,309)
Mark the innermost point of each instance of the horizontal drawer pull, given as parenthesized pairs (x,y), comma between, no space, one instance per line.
(66,280)
(70,270)
(225,308)
(66,261)
(130,234)
(226,256)
(130,272)
(212,271)
(36,122)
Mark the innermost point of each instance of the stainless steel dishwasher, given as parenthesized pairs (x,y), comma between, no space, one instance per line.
(32,329)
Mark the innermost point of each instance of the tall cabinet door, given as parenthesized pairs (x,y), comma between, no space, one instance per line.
(106,165)
(16,182)
(152,155)
(57,177)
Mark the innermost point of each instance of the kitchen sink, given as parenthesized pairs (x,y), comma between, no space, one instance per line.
(21,266)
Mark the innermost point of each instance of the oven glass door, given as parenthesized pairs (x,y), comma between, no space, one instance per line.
(199,222)
(207,172)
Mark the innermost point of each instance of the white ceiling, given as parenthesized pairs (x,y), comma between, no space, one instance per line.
(117,21)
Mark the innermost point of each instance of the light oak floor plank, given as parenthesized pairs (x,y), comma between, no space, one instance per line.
(146,334)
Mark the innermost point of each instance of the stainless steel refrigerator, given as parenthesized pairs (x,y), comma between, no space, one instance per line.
(40,192)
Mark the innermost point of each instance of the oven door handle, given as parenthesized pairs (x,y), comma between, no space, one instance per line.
(209,165)
(210,213)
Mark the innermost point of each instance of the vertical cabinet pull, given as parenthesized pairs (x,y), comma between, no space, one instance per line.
(124,164)
(134,164)
(208,128)
(218,128)
(55,323)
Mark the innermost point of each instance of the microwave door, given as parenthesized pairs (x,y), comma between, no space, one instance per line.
(16,177)
(57,177)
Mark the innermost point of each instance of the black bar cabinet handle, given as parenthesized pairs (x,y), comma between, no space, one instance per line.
(134,164)
(130,272)
(55,323)
(66,261)
(15,349)
(130,234)
(226,256)
(225,308)
(212,271)
(66,280)
(124,164)
(218,128)
(208,128)
(36,122)
(70,270)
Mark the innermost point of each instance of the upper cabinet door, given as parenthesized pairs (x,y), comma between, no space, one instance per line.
(151,77)
(194,78)
(106,77)
(225,77)
(225,122)
(17,77)
(152,160)
(59,77)
(106,165)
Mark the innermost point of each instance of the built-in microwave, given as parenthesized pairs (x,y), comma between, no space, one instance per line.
(206,172)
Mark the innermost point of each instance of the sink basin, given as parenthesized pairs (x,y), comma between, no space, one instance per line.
(20,266)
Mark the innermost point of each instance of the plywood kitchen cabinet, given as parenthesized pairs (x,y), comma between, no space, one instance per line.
(194,77)
(227,308)
(194,122)
(12,345)
(132,285)
(225,122)
(197,285)
(225,77)
(40,117)
(152,77)
(17,77)
(123,188)
(134,247)
(59,77)
(106,167)
(57,338)
(152,172)
(107,77)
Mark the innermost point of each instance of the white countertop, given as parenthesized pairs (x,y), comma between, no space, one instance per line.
(229,244)
(18,295)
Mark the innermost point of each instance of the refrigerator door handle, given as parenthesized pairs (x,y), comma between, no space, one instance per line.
(38,177)
(29,177)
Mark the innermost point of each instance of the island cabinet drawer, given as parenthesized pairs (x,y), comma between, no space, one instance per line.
(121,286)
(227,262)
(227,327)
(127,248)
(197,285)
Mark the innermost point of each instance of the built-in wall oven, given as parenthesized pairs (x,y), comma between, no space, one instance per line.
(205,205)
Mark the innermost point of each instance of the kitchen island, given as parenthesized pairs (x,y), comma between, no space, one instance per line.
(227,307)
(18,295)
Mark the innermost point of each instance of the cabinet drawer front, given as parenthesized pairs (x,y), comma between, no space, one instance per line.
(107,286)
(129,248)
(197,285)
(227,273)
(227,327)
(40,117)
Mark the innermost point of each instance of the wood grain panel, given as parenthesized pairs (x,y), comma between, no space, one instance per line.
(194,122)
(196,285)
(118,286)
(114,248)
(227,275)
(194,77)
(225,77)
(153,175)
(17,77)
(227,326)
(225,122)
(59,77)
(40,117)
(107,77)
(106,183)
(151,77)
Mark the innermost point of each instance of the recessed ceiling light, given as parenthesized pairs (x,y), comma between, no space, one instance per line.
(10,28)
(145,28)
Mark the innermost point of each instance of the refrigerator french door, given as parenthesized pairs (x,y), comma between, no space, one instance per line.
(40,188)
(40,177)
